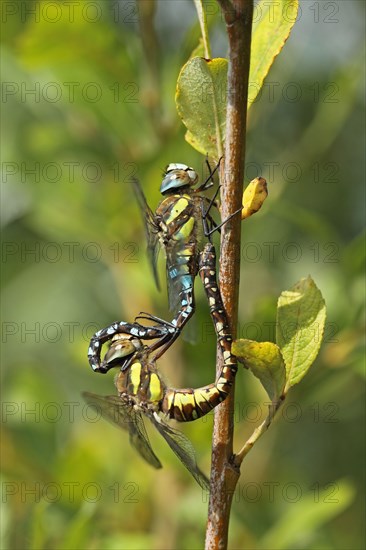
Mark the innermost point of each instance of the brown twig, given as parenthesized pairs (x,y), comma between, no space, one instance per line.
(224,474)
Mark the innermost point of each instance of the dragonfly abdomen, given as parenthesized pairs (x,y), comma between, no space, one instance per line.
(189,404)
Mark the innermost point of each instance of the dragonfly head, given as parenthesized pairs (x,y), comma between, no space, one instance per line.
(176,176)
(122,347)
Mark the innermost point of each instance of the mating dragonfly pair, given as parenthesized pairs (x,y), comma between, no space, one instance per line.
(175,225)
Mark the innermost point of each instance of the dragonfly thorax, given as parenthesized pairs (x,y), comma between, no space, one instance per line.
(142,383)
(176,176)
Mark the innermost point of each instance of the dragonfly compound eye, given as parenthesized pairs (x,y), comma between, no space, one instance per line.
(121,347)
(177,176)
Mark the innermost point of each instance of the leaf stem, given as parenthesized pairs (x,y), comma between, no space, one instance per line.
(224,472)
(258,432)
(203,24)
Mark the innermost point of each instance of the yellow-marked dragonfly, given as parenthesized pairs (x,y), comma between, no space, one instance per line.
(143,393)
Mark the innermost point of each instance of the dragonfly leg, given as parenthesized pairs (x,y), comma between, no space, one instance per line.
(150,317)
(184,314)
(209,232)
(209,182)
(106,334)
(206,213)
(206,216)
(170,331)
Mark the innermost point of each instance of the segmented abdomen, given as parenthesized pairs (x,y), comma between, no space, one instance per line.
(189,404)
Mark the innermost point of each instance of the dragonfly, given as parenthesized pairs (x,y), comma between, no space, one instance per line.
(175,226)
(142,393)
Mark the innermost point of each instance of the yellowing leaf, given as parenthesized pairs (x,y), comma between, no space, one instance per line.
(265,361)
(301,316)
(201,103)
(272,25)
(253,197)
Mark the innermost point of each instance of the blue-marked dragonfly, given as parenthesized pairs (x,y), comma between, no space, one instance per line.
(143,393)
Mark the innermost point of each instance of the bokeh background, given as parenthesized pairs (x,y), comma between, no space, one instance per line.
(86,104)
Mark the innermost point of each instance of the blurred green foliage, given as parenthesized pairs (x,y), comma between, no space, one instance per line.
(82,110)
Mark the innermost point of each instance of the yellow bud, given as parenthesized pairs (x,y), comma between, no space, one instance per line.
(253,197)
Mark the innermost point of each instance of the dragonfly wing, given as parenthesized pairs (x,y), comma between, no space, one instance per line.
(151,228)
(174,289)
(184,450)
(113,409)
(140,440)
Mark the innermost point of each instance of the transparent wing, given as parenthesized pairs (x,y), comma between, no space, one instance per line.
(113,409)
(151,228)
(183,448)
(174,287)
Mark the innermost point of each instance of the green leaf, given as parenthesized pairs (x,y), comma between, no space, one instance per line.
(301,316)
(271,29)
(265,361)
(201,103)
(298,524)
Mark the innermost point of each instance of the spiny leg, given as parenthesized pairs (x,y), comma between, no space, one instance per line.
(170,334)
(184,314)
(209,182)
(208,233)
(212,202)
(206,216)
(150,317)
